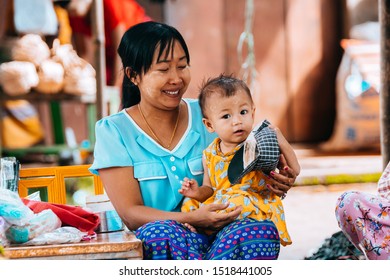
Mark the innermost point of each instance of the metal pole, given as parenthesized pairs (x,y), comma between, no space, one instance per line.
(100,56)
(384,19)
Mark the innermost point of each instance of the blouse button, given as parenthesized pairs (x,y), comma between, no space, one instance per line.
(173,168)
(172,158)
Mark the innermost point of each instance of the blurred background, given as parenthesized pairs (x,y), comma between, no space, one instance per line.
(289,51)
(313,67)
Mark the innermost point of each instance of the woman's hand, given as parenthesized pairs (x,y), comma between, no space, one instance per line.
(190,227)
(208,217)
(281,183)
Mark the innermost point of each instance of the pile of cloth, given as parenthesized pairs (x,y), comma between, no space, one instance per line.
(32,222)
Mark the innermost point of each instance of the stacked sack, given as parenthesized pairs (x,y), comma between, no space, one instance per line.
(80,76)
(35,66)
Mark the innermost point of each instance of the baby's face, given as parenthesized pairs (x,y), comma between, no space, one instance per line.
(230,117)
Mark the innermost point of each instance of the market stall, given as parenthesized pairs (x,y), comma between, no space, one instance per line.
(83,87)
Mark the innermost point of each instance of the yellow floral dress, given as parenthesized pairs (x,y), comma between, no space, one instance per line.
(258,202)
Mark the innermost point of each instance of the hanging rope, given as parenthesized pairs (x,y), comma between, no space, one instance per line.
(248,65)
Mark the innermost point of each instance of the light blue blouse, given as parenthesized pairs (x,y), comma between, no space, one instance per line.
(121,142)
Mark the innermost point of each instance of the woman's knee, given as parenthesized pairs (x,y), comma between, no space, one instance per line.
(247,239)
(251,230)
(344,200)
(156,229)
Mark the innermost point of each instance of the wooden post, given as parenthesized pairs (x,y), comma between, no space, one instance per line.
(384,19)
(100,56)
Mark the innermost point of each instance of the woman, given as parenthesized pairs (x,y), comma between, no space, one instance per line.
(144,152)
(365,219)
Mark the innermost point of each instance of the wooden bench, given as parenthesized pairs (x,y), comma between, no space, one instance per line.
(113,245)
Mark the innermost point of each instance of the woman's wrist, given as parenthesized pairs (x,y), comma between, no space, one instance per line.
(185,217)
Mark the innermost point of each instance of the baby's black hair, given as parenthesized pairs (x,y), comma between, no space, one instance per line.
(225,85)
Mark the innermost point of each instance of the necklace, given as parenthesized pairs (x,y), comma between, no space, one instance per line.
(154,134)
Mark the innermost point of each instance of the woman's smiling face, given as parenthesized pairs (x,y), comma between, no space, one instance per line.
(167,79)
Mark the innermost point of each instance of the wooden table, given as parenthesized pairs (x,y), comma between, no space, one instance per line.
(114,245)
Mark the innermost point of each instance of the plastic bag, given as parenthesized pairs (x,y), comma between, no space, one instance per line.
(31,48)
(3,228)
(80,79)
(18,77)
(43,222)
(9,173)
(58,236)
(51,77)
(12,208)
(35,16)
(36,196)
(24,223)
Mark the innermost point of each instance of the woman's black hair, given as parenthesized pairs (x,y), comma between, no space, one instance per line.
(137,48)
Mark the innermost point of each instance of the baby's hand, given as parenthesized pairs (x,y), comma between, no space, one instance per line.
(189,188)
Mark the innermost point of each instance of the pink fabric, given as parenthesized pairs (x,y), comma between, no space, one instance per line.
(365,220)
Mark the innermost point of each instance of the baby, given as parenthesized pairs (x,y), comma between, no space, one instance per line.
(228,110)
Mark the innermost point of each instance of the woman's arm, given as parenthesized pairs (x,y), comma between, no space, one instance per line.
(124,192)
(288,152)
(288,166)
